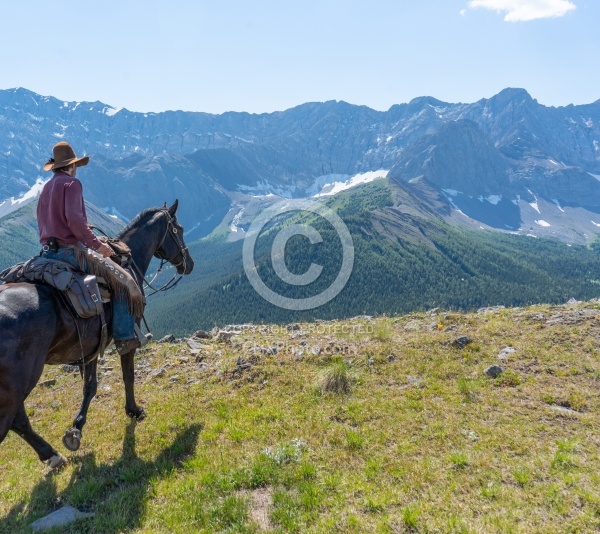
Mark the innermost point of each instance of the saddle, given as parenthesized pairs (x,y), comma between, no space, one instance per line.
(85,291)
(82,290)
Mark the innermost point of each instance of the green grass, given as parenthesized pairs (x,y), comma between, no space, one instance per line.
(423,442)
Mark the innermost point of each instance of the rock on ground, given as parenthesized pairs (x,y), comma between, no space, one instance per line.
(60,518)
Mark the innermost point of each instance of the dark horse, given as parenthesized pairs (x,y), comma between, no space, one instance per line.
(36,329)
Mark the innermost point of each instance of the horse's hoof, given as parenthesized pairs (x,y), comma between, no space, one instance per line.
(72,439)
(138,414)
(57,462)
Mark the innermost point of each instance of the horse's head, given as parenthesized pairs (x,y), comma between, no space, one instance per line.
(172,247)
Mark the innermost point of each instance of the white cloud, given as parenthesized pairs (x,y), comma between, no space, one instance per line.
(523,10)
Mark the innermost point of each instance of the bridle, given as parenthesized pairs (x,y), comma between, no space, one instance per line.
(172,231)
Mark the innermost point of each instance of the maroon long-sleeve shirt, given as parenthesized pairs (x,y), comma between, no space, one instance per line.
(61,213)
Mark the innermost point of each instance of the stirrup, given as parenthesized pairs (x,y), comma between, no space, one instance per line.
(142,338)
(127,345)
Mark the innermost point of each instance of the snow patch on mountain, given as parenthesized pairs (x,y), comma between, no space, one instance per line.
(11,204)
(115,213)
(337,186)
(236,220)
(324,181)
(534,204)
(323,186)
(541,222)
(450,195)
(492,199)
(451,192)
(262,189)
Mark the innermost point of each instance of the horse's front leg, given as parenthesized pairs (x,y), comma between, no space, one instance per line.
(131,408)
(72,437)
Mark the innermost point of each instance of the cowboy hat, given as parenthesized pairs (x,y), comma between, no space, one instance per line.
(64,156)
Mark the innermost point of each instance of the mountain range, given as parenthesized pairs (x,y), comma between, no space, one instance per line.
(506,162)
(428,183)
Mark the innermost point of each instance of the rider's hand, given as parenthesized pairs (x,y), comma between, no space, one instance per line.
(105,250)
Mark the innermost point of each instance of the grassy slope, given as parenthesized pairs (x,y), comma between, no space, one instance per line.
(423,442)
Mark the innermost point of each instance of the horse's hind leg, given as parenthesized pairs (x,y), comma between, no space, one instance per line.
(22,426)
(7,414)
(72,437)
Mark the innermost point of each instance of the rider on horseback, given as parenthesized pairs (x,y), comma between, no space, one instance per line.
(62,223)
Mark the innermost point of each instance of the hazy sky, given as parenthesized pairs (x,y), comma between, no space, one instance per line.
(267,55)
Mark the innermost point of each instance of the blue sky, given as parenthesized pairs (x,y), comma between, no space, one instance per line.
(263,56)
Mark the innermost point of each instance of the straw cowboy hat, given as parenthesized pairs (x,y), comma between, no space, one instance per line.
(64,156)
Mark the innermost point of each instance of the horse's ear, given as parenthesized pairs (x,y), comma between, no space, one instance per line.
(165,206)
(173,208)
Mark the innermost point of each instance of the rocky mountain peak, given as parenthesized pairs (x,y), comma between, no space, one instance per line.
(460,157)
(511,96)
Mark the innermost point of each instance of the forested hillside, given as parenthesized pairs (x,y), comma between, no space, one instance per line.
(448,266)
(466,270)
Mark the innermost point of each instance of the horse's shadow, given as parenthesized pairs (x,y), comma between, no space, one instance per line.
(117,493)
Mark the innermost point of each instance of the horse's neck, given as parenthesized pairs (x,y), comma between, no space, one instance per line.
(143,240)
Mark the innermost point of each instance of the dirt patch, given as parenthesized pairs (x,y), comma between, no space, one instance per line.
(260,504)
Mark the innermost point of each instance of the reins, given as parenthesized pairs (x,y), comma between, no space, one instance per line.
(148,284)
(182,250)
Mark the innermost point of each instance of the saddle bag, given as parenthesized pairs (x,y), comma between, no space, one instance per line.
(81,289)
(84,295)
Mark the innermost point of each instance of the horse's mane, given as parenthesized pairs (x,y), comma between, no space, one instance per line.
(138,218)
